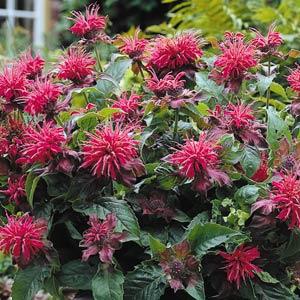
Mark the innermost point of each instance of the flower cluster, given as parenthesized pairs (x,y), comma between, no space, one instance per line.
(102,239)
(23,238)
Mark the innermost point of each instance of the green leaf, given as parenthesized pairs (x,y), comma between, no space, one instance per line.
(247,194)
(29,281)
(107,112)
(76,274)
(266,277)
(156,245)
(250,161)
(203,83)
(108,284)
(88,122)
(264,82)
(201,219)
(279,90)
(276,129)
(210,235)
(126,218)
(114,73)
(146,282)
(291,252)
(57,184)
(276,291)
(191,110)
(197,291)
(31,183)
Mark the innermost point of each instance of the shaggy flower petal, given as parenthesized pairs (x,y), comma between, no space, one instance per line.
(199,160)
(294,80)
(129,108)
(42,144)
(169,84)
(101,238)
(76,65)
(12,83)
(31,66)
(16,189)
(238,120)
(88,25)
(286,195)
(239,264)
(236,59)
(268,43)
(263,171)
(22,238)
(174,53)
(108,152)
(42,97)
(134,47)
(180,266)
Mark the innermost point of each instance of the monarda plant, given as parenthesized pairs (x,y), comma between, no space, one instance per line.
(151,168)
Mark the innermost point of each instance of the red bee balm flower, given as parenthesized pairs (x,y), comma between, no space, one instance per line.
(286,195)
(239,264)
(111,153)
(90,25)
(42,97)
(236,119)
(16,189)
(101,239)
(294,80)
(31,66)
(174,53)
(76,65)
(268,43)
(262,173)
(22,238)
(129,108)
(133,46)
(42,144)
(12,83)
(236,59)
(199,160)
(169,84)
(180,266)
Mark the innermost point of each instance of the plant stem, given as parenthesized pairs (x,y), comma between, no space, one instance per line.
(176,123)
(98,59)
(269,73)
(141,70)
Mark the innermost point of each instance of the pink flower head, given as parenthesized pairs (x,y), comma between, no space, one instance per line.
(42,144)
(22,237)
(169,84)
(199,160)
(239,264)
(31,66)
(174,53)
(180,266)
(76,65)
(129,108)
(157,205)
(89,25)
(12,83)
(268,43)
(134,47)
(101,238)
(294,80)
(237,119)
(42,97)
(286,195)
(4,143)
(111,153)
(236,59)
(16,189)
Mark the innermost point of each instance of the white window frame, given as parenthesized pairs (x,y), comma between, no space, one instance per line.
(37,15)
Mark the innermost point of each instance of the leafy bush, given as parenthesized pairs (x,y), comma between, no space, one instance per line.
(151,169)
